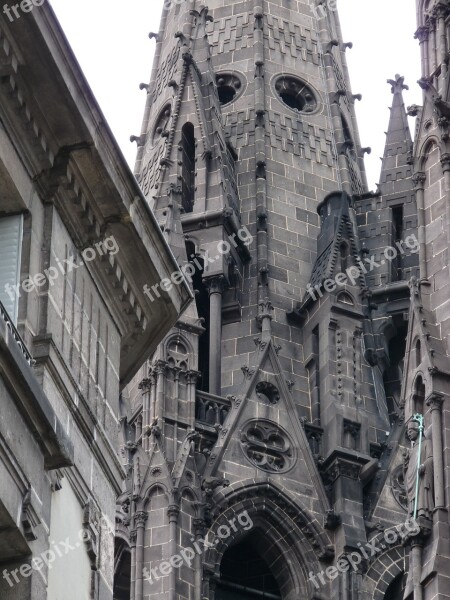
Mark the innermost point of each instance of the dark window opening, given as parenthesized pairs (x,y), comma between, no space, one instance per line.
(419,396)
(122,575)
(396,589)
(296,94)
(245,575)
(202,303)
(314,378)
(346,131)
(226,94)
(418,353)
(229,87)
(397,234)
(188,167)
(393,375)
(397,219)
(293,100)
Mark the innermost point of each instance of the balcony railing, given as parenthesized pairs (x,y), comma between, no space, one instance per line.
(211,410)
(12,328)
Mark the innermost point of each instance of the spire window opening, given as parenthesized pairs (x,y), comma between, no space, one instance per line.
(418,353)
(245,575)
(122,575)
(419,397)
(226,94)
(397,235)
(296,94)
(393,374)
(188,167)
(348,138)
(396,589)
(229,87)
(202,304)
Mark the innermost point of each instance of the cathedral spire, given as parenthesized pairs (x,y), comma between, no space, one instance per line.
(398,148)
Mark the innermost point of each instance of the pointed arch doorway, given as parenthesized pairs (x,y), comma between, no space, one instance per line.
(248,571)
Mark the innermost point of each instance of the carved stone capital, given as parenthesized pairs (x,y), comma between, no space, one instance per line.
(140,518)
(419,180)
(173,511)
(445,162)
(265,310)
(193,376)
(215,285)
(146,384)
(199,526)
(435,402)
(440,10)
(160,367)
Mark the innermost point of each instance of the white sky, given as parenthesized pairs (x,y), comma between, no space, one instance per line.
(110,40)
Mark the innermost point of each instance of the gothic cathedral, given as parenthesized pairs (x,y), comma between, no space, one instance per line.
(289,439)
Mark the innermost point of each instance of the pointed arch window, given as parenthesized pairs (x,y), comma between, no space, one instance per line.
(188,166)
(419,396)
(418,353)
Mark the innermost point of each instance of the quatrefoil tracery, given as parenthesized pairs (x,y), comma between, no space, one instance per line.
(267,446)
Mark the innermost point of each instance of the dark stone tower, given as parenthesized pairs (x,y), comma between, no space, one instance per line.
(270,422)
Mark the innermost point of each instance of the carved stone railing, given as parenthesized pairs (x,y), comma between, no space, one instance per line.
(12,328)
(211,410)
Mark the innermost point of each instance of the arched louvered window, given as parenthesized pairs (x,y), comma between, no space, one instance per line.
(188,167)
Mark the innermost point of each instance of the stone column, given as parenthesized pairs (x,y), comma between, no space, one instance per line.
(192,378)
(265,316)
(173,512)
(419,183)
(215,288)
(199,530)
(416,568)
(140,519)
(432,47)
(176,377)
(133,564)
(160,370)
(422,34)
(440,13)
(445,162)
(435,402)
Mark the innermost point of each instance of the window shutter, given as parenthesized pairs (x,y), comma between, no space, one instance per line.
(10,254)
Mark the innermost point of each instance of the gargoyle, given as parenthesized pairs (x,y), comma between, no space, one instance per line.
(431,93)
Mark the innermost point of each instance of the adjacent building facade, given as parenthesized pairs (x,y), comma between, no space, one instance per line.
(265,439)
(78,244)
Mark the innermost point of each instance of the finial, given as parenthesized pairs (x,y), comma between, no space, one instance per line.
(397,85)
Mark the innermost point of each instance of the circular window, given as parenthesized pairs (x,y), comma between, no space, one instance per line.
(229,87)
(267,446)
(296,94)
